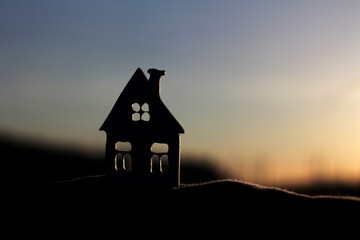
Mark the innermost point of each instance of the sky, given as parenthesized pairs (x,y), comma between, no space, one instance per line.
(270,90)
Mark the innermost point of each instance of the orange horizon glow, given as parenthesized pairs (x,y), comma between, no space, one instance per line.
(304,172)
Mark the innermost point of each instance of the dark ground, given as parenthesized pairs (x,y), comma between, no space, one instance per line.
(215,205)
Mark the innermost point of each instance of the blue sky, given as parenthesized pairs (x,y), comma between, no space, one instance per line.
(244,78)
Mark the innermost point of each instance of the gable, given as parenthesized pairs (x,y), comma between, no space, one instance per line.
(138,91)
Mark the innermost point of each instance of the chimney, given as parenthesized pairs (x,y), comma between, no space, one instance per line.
(155,80)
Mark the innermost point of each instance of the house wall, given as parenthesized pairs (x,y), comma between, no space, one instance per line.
(141,154)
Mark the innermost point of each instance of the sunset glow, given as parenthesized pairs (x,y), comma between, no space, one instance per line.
(267,90)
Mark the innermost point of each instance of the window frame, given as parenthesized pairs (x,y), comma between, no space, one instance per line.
(161,155)
(126,161)
(140,112)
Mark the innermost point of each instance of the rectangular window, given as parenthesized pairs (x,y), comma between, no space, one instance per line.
(123,160)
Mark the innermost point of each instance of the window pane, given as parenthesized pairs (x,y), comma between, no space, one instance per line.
(136,116)
(164,163)
(155,164)
(118,161)
(145,107)
(145,117)
(127,162)
(123,146)
(135,107)
(159,148)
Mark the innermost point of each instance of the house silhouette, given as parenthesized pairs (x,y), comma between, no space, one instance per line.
(142,136)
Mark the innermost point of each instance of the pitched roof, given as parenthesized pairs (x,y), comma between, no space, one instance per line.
(138,90)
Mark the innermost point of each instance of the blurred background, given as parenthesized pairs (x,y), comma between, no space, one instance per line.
(267,91)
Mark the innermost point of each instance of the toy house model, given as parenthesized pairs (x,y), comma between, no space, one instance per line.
(142,136)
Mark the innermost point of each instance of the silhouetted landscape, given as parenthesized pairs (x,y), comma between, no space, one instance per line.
(59,173)
(40,165)
(214,116)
